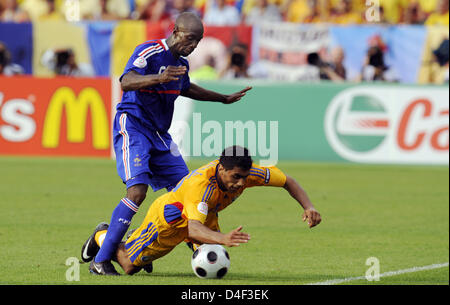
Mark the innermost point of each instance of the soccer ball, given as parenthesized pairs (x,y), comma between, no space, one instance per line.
(210,261)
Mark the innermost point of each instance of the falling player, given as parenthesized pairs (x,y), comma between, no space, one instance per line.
(190,211)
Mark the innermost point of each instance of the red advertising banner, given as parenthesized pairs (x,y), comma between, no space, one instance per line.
(55,116)
(226,34)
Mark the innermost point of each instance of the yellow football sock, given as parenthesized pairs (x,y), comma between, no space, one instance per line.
(100,237)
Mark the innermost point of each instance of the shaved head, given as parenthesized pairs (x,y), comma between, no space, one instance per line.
(187,33)
(189,22)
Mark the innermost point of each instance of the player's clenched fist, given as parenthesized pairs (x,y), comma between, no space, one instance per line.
(312,216)
(172,73)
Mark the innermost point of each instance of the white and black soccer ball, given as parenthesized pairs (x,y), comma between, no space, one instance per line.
(210,261)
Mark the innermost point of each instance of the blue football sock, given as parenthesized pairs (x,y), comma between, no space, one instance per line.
(120,221)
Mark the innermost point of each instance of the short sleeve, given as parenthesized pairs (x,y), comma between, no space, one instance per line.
(186,80)
(195,204)
(137,62)
(266,176)
(186,83)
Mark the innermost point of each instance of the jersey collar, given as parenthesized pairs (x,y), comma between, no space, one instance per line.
(165,46)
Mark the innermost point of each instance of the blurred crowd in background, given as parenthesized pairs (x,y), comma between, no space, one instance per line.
(233,13)
(229,12)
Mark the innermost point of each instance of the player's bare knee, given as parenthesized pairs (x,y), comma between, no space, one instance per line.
(137,193)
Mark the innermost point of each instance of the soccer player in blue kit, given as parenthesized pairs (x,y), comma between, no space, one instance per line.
(155,75)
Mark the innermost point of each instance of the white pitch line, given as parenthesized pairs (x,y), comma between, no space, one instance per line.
(386,274)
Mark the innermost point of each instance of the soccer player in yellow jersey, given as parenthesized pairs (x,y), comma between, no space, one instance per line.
(190,211)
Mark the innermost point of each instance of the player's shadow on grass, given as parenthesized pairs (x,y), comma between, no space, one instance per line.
(277,278)
(245,277)
(167,275)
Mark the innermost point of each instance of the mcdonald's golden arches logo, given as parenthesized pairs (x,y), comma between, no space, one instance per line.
(76,109)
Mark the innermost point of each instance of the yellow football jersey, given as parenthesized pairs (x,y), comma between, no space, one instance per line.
(196,197)
(201,195)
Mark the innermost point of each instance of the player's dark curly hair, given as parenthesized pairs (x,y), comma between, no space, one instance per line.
(236,156)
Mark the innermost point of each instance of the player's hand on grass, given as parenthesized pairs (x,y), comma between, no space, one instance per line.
(172,73)
(236,237)
(312,216)
(230,99)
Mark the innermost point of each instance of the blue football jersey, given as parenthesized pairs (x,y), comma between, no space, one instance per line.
(154,105)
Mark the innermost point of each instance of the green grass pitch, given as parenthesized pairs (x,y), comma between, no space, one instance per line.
(398,214)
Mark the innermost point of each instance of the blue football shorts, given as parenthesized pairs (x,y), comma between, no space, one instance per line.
(145,156)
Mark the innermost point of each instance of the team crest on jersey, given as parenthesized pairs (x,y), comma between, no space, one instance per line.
(137,162)
(203,208)
(140,62)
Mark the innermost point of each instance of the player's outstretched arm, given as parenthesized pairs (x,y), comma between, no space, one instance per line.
(201,94)
(298,193)
(199,232)
(135,81)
